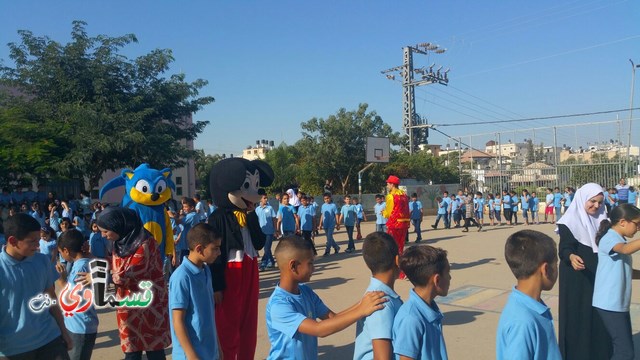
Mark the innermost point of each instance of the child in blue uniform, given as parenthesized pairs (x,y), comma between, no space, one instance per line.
(348,215)
(193,323)
(417,327)
(525,329)
(82,326)
(612,288)
(374,333)
(415,208)
(293,309)
(329,221)
(25,275)
(378,208)
(360,217)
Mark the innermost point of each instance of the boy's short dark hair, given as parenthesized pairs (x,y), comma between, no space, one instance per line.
(20,225)
(71,240)
(196,196)
(414,195)
(525,250)
(189,201)
(290,247)
(420,263)
(379,196)
(379,251)
(347,196)
(202,234)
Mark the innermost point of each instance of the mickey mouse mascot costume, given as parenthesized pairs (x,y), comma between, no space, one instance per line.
(235,185)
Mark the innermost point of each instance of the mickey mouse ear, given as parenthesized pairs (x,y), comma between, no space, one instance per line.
(266,172)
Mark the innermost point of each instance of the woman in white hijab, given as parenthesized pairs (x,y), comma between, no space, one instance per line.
(582,334)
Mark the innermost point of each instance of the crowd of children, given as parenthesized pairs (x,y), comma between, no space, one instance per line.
(42,249)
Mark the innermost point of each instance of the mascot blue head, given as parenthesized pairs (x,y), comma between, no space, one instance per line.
(143,185)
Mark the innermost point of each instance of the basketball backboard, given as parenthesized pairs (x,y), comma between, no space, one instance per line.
(377,150)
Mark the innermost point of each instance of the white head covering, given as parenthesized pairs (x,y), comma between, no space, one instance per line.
(582,225)
(293,198)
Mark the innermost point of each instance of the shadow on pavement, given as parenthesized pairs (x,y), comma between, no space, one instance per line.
(336,352)
(113,339)
(460,266)
(460,317)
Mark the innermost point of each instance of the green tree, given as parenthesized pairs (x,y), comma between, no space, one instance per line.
(111,111)
(531,153)
(334,148)
(203,164)
(284,161)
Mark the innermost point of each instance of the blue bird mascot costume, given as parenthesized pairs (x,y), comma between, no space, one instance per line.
(146,192)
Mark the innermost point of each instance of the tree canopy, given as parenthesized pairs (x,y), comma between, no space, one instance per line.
(105,110)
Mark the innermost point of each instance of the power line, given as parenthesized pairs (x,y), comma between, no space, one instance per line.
(538,118)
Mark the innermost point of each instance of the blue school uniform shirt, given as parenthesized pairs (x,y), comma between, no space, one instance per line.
(455,205)
(306,217)
(417,330)
(329,212)
(525,330)
(188,222)
(415,207)
(21,329)
(447,200)
(348,213)
(379,209)
(442,208)
(285,312)
(98,245)
(506,202)
(266,214)
(525,202)
(557,197)
(514,203)
(359,211)
(612,288)
(633,196)
(286,215)
(378,325)
(534,203)
(567,199)
(84,322)
(497,203)
(39,218)
(190,289)
(47,248)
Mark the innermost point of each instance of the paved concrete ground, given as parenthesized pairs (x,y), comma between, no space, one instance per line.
(481,281)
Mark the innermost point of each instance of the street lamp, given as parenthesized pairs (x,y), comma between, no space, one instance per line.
(633,82)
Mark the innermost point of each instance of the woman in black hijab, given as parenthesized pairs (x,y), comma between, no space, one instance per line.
(136,258)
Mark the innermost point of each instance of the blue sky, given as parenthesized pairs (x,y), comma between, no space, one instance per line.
(274,64)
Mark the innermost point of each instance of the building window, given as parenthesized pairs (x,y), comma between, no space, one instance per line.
(178,180)
(179,190)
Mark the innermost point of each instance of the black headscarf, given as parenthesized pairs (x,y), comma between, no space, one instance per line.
(126,223)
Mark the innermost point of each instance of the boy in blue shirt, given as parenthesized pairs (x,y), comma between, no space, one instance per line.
(360,216)
(329,220)
(192,315)
(374,333)
(525,329)
(190,218)
(506,206)
(557,202)
(293,308)
(415,208)
(442,211)
(534,206)
(82,326)
(417,328)
(25,275)
(305,214)
(348,215)
(454,210)
(378,208)
(288,223)
(268,224)
(524,200)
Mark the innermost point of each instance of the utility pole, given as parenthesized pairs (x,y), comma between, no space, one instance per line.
(633,82)
(414,126)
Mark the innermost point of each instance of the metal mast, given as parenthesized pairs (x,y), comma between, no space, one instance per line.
(416,127)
